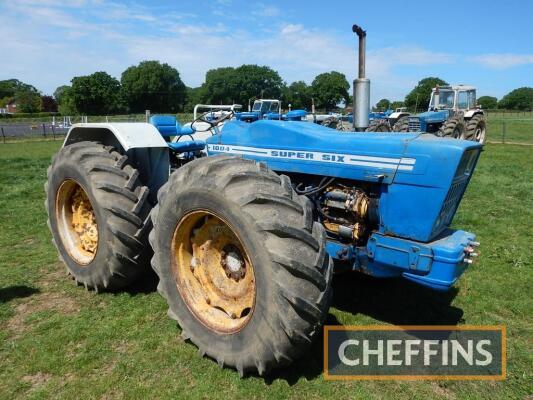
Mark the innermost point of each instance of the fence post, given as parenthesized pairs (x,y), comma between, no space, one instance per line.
(504,131)
(44,130)
(3,135)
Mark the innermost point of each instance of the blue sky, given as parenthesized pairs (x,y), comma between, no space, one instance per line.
(483,43)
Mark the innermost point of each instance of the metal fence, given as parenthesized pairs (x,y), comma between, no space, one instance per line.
(505,128)
(27,131)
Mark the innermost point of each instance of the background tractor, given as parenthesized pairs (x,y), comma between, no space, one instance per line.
(453,112)
(245,228)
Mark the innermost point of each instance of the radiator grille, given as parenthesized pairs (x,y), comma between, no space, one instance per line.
(457,189)
(414,124)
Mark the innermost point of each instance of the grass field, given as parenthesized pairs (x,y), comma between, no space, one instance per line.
(59,341)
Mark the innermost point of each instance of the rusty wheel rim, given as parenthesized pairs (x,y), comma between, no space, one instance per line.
(213,272)
(76,222)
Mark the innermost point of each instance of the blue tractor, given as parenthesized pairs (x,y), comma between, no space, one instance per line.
(453,112)
(260,109)
(245,229)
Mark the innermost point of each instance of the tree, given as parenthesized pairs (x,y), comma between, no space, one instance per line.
(194,96)
(383,105)
(28,101)
(153,86)
(96,94)
(65,100)
(488,102)
(397,104)
(238,85)
(518,99)
(10,87)
(49,104)
(298,95)
(330,89)
(419,97)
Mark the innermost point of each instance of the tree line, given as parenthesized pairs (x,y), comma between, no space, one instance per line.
(158,87)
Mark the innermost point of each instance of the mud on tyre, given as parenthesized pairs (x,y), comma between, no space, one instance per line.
(98,212)
(241,262)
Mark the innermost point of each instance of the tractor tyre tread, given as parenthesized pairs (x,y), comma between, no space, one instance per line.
(298,267)
(119,200)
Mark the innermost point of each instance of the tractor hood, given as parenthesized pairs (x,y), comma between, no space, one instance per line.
(417,173)
(434,116)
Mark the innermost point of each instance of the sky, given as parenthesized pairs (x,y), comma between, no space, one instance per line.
(487,44)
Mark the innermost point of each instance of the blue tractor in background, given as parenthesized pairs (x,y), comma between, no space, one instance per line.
(245,229)
(453,112)
(260,109)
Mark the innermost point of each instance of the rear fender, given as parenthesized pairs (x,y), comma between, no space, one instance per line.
(141,142)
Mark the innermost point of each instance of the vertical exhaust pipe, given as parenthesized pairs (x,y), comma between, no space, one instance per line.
(361,86)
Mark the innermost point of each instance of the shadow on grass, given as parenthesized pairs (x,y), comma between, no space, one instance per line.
(146,284)
(394,301)
(15,292)
(391,301)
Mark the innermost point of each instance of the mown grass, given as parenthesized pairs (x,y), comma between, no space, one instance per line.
(59,341)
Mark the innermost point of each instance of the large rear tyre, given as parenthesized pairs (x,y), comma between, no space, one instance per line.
(453,128)
(97,213)
(402,125)
(378,125)
(241,262)
(476,129)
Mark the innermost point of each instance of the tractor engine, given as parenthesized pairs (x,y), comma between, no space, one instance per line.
(347,213)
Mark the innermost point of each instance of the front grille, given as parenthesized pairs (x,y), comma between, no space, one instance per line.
(457,189)
(414,124)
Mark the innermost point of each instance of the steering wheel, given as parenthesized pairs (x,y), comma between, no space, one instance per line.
(211,123)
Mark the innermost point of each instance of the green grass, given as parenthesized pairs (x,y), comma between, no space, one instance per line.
(59,341)
(518,129)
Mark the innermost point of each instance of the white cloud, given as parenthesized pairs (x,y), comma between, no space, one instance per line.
(503,60)
(50,43)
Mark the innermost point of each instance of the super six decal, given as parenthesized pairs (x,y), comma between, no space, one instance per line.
(404,164)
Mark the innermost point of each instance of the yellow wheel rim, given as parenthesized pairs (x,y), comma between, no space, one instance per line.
(76,222)
(213,272)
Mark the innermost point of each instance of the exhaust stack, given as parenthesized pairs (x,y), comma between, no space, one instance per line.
(361,86)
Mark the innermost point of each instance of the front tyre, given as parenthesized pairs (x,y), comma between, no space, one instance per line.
(97,208)
(476,129)
(453,128)
(378,125)
(402,125)
(241,262)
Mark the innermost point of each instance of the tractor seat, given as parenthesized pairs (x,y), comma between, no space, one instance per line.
(168,126)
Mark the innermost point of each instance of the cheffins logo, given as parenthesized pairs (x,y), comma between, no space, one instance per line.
(415,352)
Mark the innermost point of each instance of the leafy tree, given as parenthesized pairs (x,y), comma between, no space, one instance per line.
(330,89)
(10,87)
(229,85)
(194,96)
(28,101)
(153,86)
(383,105)
(488,102)
(396,104)
(419,97)
(96,94)
(518,99)
(49,104)
(298,95)
(65,100)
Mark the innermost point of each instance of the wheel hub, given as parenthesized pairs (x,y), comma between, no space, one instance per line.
(76,222)
(213,272)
